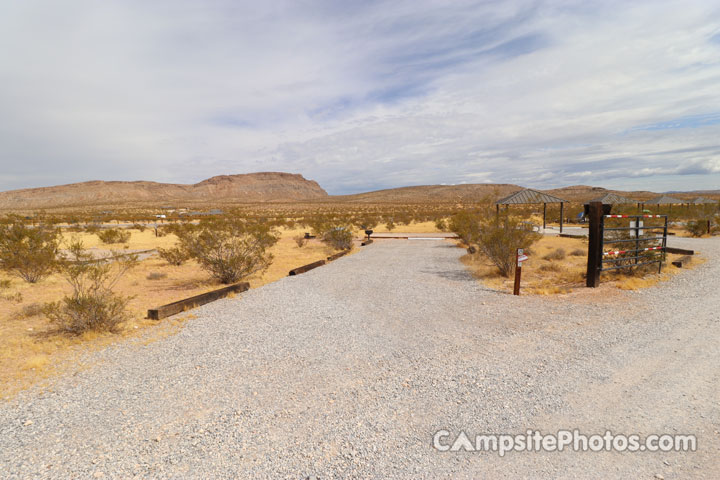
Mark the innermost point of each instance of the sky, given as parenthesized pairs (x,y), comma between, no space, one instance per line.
(362,95)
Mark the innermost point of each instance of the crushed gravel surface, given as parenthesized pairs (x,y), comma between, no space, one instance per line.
(347,371)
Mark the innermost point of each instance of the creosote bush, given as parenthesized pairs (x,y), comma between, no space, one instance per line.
(339,238)
(697,227)
(92,305)
(229,249)
(500,236)
(174,256)
(466,225)
(112,235)
(28,252)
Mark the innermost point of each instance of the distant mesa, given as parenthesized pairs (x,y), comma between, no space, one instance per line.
(243,188)
(266,187)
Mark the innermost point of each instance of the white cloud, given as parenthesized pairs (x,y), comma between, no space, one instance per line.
(371,95)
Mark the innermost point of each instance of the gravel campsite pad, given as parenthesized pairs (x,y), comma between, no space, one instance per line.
(347,371)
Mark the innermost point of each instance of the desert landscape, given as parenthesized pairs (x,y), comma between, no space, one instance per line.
(359,240)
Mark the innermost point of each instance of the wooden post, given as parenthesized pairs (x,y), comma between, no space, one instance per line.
(518,272)
(562,210)
(544,214)
(594,258)
(709,227)
(497,210)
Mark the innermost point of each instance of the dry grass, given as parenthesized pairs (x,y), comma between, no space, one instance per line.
(414,227)
(30,351)
(548,272)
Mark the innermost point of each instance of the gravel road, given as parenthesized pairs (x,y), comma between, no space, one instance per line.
(348,370)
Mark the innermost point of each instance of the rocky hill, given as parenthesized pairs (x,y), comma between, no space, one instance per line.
(245,188)
(433,193)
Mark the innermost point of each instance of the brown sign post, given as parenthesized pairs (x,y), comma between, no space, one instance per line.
(520,257)
(595,242)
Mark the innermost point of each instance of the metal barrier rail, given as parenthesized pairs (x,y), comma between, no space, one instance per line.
(611,256)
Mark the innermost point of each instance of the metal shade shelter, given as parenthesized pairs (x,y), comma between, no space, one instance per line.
(664,200)
(614,199)
(703,201)
(530,197)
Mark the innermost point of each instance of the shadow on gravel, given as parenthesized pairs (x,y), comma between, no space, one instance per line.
(457,276)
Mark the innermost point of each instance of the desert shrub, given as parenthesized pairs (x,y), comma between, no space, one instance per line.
(16,297)
(557,254)
(93,305)
(27,252)
(92,228)
(550,267)
(466,225)
(367,222)
(390,225)
(441,224)
(300,240)
(696,227)
(139,227)
(5,284)
(112,235)
(339,238)
(578,252)
(156,275)
(500,237)
(230,249)
(31,310)
(174,256)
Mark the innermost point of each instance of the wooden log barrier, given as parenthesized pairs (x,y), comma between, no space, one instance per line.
(337,255)
(679,251)
(305,268)
(192,302)
(682,261)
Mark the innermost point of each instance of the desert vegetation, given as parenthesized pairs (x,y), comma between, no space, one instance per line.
(28,252)
(230,250)
(93,303)
(190,252)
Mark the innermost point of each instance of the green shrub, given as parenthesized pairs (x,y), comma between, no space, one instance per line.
(500,237)
(93,305)
(339,237)
(112,235)
(230,249)
(27,252)
(696,227)
(466,225)
(174,256)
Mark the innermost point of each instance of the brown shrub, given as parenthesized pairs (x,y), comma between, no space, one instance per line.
(557,254)
(93,305)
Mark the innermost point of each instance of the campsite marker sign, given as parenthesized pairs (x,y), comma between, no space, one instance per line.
(521,257)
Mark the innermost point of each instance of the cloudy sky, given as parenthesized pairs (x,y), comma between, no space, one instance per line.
(362,95)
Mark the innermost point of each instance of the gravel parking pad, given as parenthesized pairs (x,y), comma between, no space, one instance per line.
(347,371)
